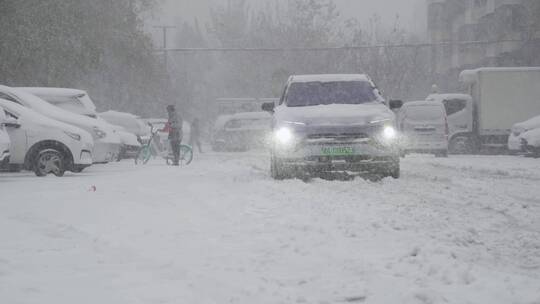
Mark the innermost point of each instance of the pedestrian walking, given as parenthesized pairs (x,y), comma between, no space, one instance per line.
(195,139)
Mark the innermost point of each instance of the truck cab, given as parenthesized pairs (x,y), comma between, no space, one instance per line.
(459,109)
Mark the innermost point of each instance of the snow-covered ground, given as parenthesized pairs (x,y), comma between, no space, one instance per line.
(458,230)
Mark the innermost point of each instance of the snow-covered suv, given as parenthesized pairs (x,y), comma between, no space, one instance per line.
(44,145)
(333,123)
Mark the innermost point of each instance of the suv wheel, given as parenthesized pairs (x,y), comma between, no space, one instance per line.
(392,170)
(461,145)
(276,169)
(49,161)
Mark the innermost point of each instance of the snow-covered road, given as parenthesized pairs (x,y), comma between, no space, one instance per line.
(458,230)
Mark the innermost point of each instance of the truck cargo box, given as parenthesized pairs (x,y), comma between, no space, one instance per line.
(503,96)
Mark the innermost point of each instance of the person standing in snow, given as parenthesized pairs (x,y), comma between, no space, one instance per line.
(195,138)
(174,126)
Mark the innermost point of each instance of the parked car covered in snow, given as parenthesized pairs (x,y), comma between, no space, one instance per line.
(515,143)
(44,145)
(79,102)
(241,131)
(424,128)
(130,122)
(333,123)
(5,142)
(106,142)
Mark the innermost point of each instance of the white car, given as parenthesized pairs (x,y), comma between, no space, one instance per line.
(130,122)
(107,142)
(530,141)
(79,102)
(326,123)
(241,131)
(5,142)
(424,128)
(515,139)
(44,145)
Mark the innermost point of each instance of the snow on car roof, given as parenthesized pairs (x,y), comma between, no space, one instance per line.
(329,78)
(441,97)
(37,117)
(53,91)
(43,107)
(64,95)
(423,103)
(118,114)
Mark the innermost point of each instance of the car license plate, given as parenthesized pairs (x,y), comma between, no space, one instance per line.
(337,151)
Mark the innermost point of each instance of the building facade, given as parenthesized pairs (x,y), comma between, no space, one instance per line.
(506,32)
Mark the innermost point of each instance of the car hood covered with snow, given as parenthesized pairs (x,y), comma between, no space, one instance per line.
(335,114)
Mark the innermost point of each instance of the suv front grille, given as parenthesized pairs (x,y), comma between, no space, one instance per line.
(338,138)
(342,136)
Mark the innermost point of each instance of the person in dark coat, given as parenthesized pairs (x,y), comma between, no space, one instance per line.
(195,138)
(175,133)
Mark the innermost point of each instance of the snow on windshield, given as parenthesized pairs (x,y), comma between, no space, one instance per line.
(303,94)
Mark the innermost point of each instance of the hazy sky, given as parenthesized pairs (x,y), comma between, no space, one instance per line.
(412,12)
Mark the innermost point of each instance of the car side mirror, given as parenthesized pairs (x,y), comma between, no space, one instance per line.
(396,104)
(268,107)
(11,123)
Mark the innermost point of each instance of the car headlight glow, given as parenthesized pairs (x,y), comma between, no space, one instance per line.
(284,136)
(389,133)
(99,133)
(74,136)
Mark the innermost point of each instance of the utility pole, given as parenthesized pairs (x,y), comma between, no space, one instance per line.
(164,28)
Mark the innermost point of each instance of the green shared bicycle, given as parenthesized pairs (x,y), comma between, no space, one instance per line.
(153,148)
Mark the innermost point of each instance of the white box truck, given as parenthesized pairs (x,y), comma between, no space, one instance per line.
(497,99)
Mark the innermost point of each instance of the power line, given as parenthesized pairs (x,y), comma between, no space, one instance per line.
(340,48)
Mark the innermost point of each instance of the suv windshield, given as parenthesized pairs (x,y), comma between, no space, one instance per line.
(302,94)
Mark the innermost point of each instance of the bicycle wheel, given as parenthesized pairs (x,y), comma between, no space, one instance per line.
(143,156)
(186,155)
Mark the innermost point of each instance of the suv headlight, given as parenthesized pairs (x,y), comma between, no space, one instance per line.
(389,133)
(99,133)
(284,136)
(74,136)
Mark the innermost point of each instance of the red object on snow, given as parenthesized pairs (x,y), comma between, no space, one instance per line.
(167,128)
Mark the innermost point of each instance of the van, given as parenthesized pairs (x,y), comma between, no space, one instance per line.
(424,128)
